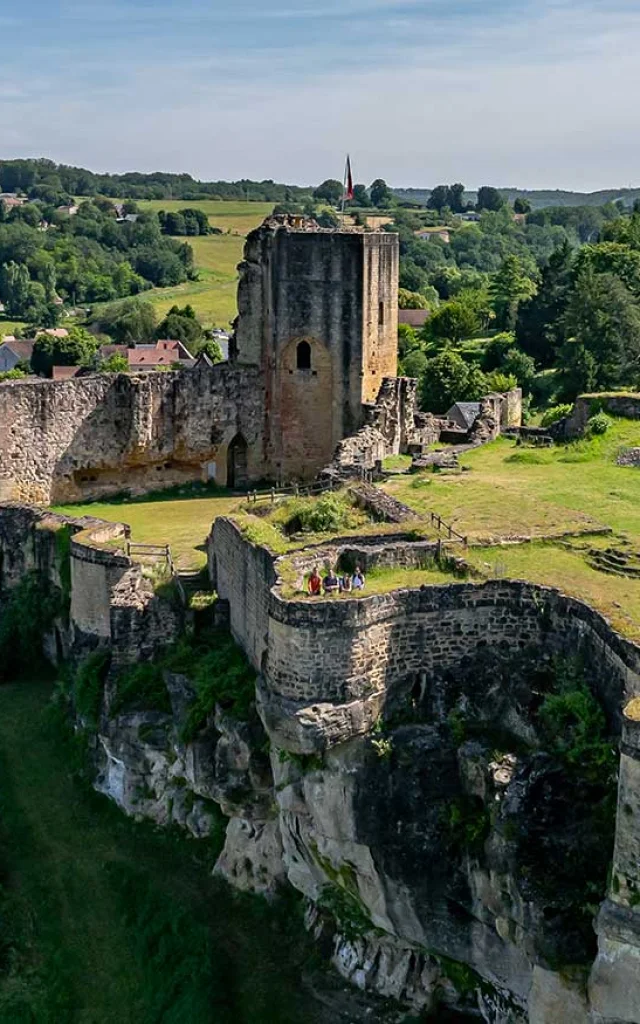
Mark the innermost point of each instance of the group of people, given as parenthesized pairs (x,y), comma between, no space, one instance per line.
(334,584)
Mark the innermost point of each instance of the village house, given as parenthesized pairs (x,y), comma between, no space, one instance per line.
(14,351)
(428,234)
(464,414)
(160,354)
(415,318)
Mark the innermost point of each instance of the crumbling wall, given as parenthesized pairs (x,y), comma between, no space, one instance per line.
(97,435)
(627,405)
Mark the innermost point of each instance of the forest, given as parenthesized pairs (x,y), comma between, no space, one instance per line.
(550,301)
(48,257)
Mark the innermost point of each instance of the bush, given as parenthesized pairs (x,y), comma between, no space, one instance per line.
(326,515)
(88,685)
(598,424)
(555,413)
(221,675)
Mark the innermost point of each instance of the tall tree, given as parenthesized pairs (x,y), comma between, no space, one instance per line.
(603,334)
(456,197)
(330,191)
(439,198)
(381,194)
(508,287)
(540,324)
(489,198)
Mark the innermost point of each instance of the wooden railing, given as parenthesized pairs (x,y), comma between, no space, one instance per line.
(443,527)
(295,491)
(150,552)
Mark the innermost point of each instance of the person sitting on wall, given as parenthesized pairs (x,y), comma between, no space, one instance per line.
(330,582)
(314,584)
(345,583)
(357,580)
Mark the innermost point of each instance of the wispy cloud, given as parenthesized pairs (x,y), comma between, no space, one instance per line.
(419,90)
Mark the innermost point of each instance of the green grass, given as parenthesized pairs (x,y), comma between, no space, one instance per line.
(10,326)
(213,296)
(105,920)
(510,492)
(184,523)
(618,598)
(397,462)
(229,216)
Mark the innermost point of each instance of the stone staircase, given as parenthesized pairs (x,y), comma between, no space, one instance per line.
(615,561)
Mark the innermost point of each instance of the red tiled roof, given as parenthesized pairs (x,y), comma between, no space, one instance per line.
(413,317)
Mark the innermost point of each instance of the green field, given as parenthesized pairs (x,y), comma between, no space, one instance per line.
(239,217)
(213,296)
(508,493)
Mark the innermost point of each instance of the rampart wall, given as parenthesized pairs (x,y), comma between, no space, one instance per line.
(350,648)
(110,603)
(96,435)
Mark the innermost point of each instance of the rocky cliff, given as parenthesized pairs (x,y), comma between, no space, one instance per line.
(435,770)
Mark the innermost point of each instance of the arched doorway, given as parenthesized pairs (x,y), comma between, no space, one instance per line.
(237,473)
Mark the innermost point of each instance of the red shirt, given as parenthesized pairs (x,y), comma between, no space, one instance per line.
(315,583)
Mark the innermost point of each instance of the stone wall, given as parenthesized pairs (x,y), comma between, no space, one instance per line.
(242,574)
(110,603)
(627,405)
(97,435)
(349,649)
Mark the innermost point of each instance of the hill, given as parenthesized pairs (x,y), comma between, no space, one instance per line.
(539,198)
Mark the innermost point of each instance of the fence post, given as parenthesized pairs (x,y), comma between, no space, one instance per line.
(273,495)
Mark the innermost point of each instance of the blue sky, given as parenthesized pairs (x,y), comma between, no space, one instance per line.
(537,94)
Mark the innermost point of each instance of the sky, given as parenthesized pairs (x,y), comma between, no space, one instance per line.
(505,92)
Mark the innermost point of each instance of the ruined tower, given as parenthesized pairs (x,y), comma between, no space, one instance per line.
(318,314)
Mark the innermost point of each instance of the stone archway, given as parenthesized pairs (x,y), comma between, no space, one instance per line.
(237,463)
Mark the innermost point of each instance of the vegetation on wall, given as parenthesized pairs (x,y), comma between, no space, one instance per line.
(27,613)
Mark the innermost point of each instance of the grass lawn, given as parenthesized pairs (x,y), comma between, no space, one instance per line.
(104,920)
(9,326)
(182,522)
(213,296)
(509,492)
(229,216)
(616,597)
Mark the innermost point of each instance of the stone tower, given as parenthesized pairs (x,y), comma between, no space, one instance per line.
(318,314)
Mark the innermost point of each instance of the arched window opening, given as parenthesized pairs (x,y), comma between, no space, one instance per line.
(381,313)
(303,356)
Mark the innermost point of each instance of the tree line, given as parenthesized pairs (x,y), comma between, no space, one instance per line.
(40,179)
(48,258)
